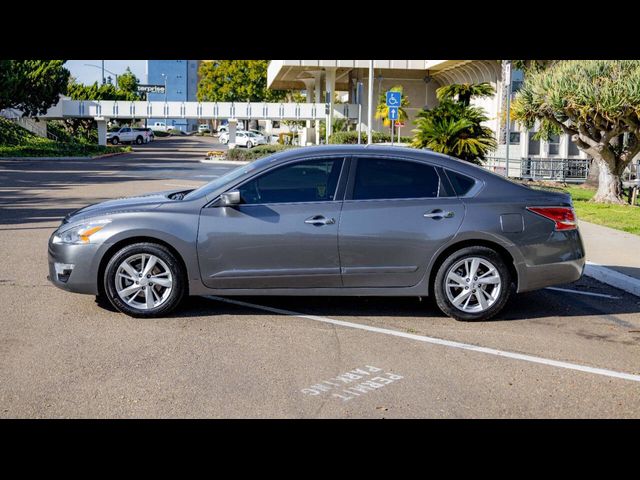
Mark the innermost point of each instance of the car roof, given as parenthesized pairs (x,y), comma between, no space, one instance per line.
(434,158)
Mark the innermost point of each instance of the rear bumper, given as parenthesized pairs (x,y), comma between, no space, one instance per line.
(540,276)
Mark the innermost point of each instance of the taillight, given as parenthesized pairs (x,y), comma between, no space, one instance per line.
(563,217)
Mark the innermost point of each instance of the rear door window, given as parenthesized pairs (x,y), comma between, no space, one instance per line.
(383,178)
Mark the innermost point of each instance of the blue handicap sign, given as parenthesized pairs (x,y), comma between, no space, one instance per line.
(393,113)
(393,99)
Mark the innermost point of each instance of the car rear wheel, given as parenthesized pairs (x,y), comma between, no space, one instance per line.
(144,280)
(249,144)
(115,140)
(139,140)
(473,284)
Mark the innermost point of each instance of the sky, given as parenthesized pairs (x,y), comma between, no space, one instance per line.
(88,75)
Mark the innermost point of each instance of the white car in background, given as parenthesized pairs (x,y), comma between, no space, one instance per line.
(244,139)
(126,135)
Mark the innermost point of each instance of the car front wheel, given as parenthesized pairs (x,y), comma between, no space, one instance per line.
(249,144)
(144,280)
(473,284)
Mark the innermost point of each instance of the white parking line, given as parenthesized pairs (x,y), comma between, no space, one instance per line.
(581,293)
(439,341)
(178,185)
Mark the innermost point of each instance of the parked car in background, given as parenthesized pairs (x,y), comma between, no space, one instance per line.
(244,139)
(225,128)
(126,135)
(149,136)
(160,126)
(204,128)
(336,220)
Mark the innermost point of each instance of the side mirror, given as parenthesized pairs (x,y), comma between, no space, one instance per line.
(229,199)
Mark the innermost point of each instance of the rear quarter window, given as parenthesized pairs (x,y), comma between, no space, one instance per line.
(461,183)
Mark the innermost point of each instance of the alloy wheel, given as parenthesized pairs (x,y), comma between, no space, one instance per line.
(473,284)
(143,281)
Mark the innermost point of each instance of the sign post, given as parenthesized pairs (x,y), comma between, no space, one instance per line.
(507,80)
(359,102)
(394,100)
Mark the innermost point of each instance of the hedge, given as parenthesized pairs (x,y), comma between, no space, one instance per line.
(352,137)
(58,149)
(251,154)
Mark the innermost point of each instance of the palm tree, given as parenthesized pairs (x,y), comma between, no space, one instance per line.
(454,127)
(464,92)
(382,111)
(461,138)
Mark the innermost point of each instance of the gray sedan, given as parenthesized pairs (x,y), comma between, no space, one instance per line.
(330,220)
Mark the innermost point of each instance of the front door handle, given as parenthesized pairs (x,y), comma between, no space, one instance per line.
(438,214)
(320,220)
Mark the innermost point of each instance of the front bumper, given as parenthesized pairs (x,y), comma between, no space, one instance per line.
(83,277)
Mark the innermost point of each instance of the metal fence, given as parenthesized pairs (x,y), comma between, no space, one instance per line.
(555,169)
(536,168)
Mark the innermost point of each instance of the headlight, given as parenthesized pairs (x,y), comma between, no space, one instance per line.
(80,234)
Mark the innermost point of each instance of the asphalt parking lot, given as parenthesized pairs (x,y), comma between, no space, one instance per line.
(572,352)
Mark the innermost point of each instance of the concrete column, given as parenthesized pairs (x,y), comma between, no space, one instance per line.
(268,129)
(233,124)
(309,84)
(330,89)
(102,130)
(309,132)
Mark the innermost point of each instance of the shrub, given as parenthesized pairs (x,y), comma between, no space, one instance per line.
(160,133)
(245,154)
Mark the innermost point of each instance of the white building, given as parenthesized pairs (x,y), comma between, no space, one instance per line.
(420,79)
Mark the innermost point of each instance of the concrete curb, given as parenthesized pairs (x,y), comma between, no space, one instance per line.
(613,278)
(225,162)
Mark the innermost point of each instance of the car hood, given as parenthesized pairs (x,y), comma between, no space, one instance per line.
(122,205)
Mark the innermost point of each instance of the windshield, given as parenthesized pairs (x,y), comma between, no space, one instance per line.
(229,177)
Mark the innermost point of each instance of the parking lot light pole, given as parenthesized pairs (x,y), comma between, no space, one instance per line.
(103,70)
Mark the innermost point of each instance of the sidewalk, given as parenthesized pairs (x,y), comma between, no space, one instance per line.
(613,256)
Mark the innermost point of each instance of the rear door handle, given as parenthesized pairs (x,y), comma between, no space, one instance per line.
(320,220)
(438,214)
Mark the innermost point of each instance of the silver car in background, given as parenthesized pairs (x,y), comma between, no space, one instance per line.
(330,220)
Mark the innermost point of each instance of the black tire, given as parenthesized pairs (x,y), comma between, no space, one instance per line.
(139,140)
(506,289)
(249,144)
(164,254)
(115,141)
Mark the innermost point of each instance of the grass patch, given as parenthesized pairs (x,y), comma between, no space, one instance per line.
(620,217)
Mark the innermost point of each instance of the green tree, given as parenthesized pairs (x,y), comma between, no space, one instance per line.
(128,84)
(85,130)
(32,85)
(236,81)
(464,92)
(597,103)
(455,127)
(382,111)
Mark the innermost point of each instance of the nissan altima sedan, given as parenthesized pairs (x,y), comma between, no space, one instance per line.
(330,220)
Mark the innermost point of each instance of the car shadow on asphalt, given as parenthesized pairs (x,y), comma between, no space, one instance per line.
(521,307)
